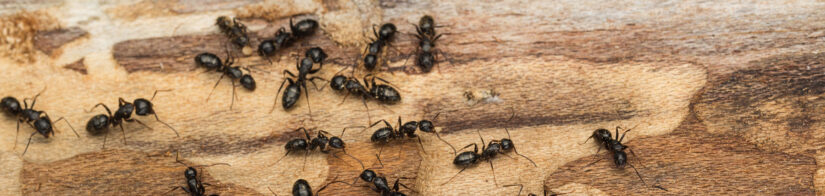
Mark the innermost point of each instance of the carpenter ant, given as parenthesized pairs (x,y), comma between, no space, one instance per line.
(426,51)
(303,28)
(281,40)
(212,62)
(387,133)
(488,152)
(194,184)
(38,120)
(382,92)
(99,124)
(233,30)
(616,147)
(425,126)
(382,38)
(321,141)
(293,90)
(521,187)
(380,183)
(301,187)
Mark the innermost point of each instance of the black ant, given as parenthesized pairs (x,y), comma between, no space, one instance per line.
(616,147)
(382,38)
(425,126)
(284,39)
(381,92)
(521,187)
(293,90)
(321,141)
(39,120)
(387,133)
(426,50)
(281,40)
(380,182)
(99,124)
(301,187)
(194,184)
(234,30)
(212,62)
(488,152)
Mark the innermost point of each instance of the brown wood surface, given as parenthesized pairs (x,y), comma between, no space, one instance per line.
(725,97)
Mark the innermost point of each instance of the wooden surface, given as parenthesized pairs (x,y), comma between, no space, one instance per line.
(725,96)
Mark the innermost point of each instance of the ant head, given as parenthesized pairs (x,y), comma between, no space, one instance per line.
(223,21)
(316,54)
(507,144)
(426,22)
(266,48)
(338,82)
(97,124)
(368,175)
(301,187)
(304,27)
(44,126)
(248,82)
(190,173)
(602,135)
(386,31)
(143,107)
(11,106)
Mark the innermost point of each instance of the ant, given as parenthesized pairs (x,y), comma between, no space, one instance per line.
(521,187)
(284,39)
(382,38)
(193,179)
(387,133)
(212,62)
(488,152)
(99,124)
(427,37)
(616,147)
(293,90)
(384,93)
(39,120)
(320,142)
(301,187)
(234,30)
(425,126)
(380,182)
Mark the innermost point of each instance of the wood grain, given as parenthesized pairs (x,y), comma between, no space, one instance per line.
(724,96)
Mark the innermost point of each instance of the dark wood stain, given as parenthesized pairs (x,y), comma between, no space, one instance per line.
(50,41)
(77,66)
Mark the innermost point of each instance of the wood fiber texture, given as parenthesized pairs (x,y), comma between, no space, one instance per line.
(723,97)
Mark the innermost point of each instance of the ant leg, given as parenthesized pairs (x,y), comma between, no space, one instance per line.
(356,159)
(345,98)
(275,103)
(625,132)
(422,145)
(17,134)
(232,103)
(520,187)
(483,145)
(156,93)
(27,144)
(139,122)
(124,134)
(104,106)
(382,120)
(637,157)
(378,156)
(104,140)
(468,145)
(594,162)
(279,160)
(637,174)
(67,122)
(306,154)
(334,180)
(515,150)
(494,171)
(167,125)
(34,99)
(213,87)
(309,105)
(451,178)
(315,85)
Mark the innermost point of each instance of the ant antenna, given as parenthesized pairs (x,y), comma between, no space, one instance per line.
(439,137)
(334,180)
(273,192)
(637,174)
(516,151)
(178,160)
(520,187)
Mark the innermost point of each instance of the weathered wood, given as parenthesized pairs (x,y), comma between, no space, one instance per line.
(724,97)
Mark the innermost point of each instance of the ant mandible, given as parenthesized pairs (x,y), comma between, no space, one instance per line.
(39,120)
